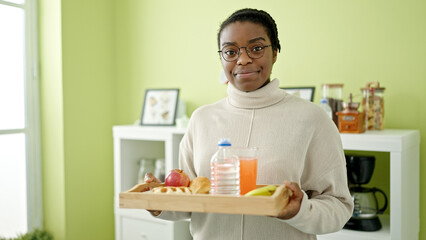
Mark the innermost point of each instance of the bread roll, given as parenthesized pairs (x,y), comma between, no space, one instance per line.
(200,185)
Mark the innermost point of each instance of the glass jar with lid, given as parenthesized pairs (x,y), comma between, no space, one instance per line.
(373,106)
(333,93)
(160,169)
(146,165)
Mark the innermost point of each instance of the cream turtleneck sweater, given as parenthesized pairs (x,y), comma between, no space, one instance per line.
(297,142)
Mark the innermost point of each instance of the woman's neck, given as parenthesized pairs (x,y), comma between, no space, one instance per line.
(268,94)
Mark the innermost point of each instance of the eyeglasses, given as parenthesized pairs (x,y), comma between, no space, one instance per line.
(232,53)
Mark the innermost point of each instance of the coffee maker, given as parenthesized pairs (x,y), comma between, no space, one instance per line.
(366,207)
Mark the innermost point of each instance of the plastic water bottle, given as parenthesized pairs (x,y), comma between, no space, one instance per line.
(225,170)
(324,105)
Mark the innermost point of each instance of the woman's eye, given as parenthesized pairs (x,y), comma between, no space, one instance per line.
(257,48)
(230,52)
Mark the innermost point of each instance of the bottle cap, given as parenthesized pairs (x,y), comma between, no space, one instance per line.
(224,142)
(323,100)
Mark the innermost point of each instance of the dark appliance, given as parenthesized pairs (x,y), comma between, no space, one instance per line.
(366,207)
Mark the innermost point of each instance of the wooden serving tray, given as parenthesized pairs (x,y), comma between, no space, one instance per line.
(141,198)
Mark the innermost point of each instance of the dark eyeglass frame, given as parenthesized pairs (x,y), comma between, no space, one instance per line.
(221,52)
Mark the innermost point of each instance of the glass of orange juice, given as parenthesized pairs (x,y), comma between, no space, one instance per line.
(248,168)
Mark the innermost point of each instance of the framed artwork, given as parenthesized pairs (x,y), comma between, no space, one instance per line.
(159,108)
(302,92)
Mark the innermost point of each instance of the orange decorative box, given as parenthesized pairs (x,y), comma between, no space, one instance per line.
(351,122)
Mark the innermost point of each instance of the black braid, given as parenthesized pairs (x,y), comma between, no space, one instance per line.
(255,16)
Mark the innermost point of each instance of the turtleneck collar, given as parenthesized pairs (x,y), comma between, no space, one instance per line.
(260,98)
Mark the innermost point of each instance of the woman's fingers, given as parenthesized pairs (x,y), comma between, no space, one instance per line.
(294,187)
(294,203)
(149,177)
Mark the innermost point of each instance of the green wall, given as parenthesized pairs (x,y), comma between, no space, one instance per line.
(88,95)
(98,57)
(77,107)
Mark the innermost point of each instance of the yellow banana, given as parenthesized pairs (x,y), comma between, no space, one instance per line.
(263,191)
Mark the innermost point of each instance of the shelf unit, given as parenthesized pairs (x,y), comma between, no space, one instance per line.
(132,143)
(404,149)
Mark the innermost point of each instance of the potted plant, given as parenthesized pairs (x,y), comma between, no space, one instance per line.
(36,234)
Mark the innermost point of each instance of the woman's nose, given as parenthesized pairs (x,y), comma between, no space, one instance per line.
(244,58)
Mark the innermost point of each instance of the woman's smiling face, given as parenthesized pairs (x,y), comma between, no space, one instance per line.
(247,74)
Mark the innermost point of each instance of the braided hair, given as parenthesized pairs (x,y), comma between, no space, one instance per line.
(255,16)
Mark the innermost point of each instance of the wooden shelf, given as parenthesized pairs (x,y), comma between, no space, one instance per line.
(382,234)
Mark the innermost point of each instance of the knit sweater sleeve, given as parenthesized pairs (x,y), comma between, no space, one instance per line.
(327,204)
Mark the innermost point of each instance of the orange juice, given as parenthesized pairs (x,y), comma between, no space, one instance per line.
(248,174)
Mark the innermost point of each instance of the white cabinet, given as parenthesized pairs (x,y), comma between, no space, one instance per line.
(132,143)
(404,149)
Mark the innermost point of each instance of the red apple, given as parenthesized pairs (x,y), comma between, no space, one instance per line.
(177,178)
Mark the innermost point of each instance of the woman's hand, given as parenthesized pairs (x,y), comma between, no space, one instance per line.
(149,178)
(294,202)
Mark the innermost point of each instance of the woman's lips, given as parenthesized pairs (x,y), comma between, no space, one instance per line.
(246,74)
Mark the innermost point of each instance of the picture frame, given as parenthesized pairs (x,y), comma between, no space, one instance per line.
(302,92)
(160,107)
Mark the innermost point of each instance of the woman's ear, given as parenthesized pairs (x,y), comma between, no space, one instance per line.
(274,58)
